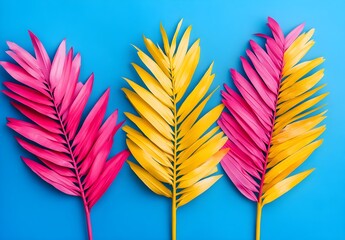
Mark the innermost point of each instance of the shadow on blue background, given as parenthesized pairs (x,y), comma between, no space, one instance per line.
(102,33)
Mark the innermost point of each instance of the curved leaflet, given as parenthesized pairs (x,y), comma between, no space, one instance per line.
(72,154)
(177,155)
(272,124)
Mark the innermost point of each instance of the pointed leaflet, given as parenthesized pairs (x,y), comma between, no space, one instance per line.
(271,128)
(50,96)
(176,153)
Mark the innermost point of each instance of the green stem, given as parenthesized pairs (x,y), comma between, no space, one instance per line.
(258,220)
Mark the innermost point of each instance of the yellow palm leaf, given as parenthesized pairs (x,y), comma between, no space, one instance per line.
(175,150)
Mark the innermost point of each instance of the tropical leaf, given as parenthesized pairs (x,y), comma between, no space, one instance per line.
(176,153)
(270,123)
(72,159)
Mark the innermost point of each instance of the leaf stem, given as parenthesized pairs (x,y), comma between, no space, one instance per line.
(259,208)
(173,218)
(174,187)
(88,221)
(258,221)
(74,162)
(173,207)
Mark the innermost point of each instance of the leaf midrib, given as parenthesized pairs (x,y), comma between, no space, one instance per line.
(68,140)
(271,133)
(172,77)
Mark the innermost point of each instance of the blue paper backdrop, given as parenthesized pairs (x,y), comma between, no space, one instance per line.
(102,32)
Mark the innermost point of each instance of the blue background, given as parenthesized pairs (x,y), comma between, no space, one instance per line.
(102,32)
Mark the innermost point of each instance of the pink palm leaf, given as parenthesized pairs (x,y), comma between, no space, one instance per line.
(72,159)
(270,125)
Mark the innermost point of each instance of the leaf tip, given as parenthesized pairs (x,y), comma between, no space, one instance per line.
(243,58)
(9,119)
(219,176)
(106,94)
(271,20)
(32,35)
(233,73)
(211,66)
(252,43)
(92,77)
(127,152)
(10,44)
(121,123)
(306,173)
(127,80)
(326,93)
(225,150)
(161,26)
(189,28)
(63,45)
(124,89)
(135,47)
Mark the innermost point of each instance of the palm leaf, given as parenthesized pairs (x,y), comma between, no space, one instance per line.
(51,98)
(271,124)
(176,153)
